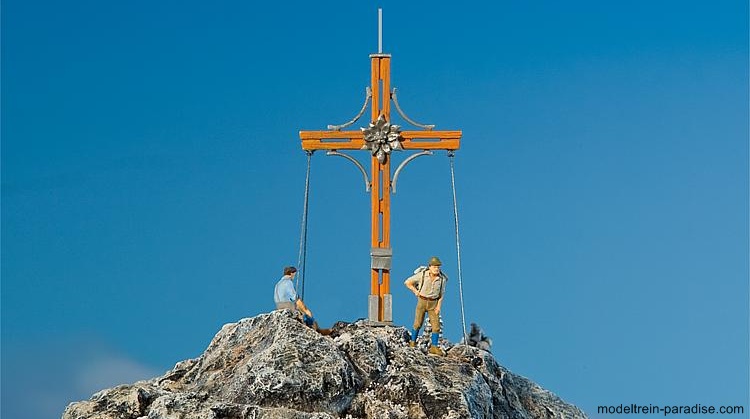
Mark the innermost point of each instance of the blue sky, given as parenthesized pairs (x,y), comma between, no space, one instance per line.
(152,185)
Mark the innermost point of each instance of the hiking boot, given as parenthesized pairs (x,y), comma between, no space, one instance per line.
(435,350)
(412,344)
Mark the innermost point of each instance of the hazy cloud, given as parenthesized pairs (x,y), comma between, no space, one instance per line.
(40,378)
(109,371)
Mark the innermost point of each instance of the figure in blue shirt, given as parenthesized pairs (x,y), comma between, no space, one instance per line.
(285,297)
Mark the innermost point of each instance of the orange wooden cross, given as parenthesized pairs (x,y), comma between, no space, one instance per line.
(380,138)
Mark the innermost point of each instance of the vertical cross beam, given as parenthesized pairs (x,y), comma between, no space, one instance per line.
(380,277)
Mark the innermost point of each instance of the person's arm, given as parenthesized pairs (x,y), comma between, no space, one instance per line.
(411,284)
(442,294)
(303,308)
(288,292)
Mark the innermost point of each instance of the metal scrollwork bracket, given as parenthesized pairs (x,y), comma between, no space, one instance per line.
(368,96)
(403,164)
(406,118)
(356,163)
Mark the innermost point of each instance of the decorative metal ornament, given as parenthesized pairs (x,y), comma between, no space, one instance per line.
(381,138)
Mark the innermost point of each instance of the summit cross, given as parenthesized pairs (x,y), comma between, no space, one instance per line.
(380,138)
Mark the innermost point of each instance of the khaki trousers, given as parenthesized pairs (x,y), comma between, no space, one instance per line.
(426,306)
(289,305)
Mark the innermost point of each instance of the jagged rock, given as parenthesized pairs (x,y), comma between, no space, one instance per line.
(272,366)
(478,339)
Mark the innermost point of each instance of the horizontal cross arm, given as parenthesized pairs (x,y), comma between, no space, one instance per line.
(354,140)
(431,140)
(332,140)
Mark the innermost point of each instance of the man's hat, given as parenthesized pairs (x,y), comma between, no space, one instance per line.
(434,261)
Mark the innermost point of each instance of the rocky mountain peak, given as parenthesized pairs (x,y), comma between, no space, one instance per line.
(273,366)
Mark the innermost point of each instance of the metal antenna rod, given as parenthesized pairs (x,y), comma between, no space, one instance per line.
(380,30)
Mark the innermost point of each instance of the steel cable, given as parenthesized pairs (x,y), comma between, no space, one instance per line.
(302,258)
(451,156)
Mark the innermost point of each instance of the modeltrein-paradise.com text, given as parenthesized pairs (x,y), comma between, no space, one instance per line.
(695,409)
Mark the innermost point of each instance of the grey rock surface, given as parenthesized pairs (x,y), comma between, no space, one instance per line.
(478,339)
(272,366)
